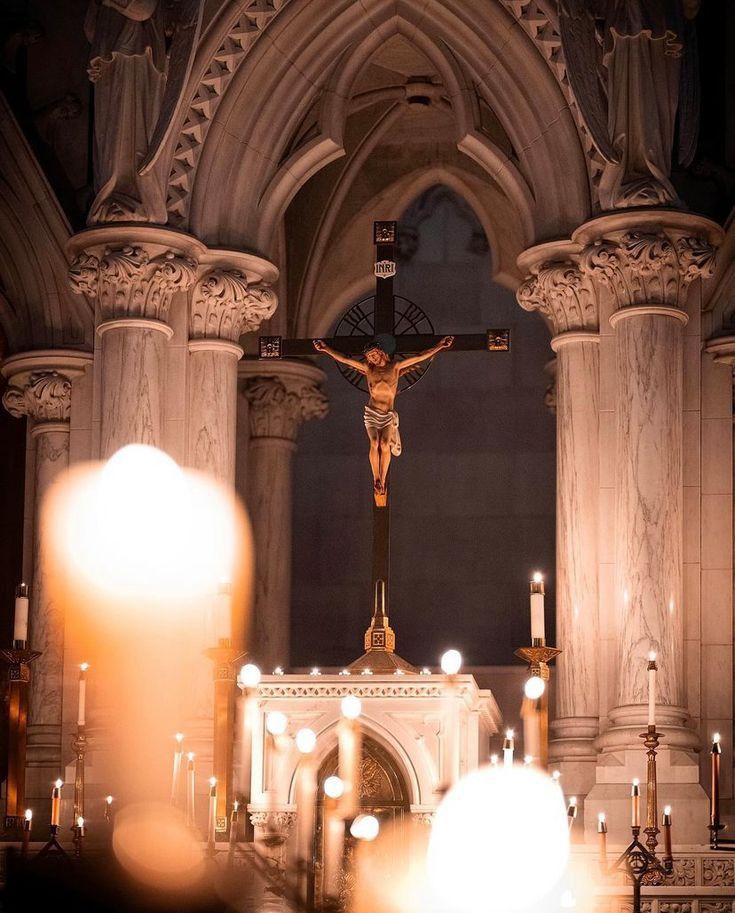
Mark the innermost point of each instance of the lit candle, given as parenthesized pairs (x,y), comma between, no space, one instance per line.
(508,748)
(82,693)
(80,826)
(178,757)
(212,818)
(494,760)
(20,625)
(716,751)
(334,835)
(538,628)
(248,681)
(571,811)
(234,823)
(190,789)
(306,789)
(56,803)
(556,776)
(27,824)
(635,796)
(108,808)
(350,755)
(666,821)
(652,667)
(602,832)
(276,724)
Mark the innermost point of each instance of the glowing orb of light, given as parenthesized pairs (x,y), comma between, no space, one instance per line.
(276,722)
(534,687)
(451,662)
(365,827)
(249,675)
(333,787)
(473,862)
(306,740)
(351,707)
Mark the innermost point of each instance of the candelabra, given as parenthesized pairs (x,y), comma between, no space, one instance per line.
(641,866)
(18,659)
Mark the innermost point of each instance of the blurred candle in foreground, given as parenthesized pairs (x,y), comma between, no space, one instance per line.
(635,799)
(190,790)
(20,624)
(334,835)
(306,790)
(82,694)
(56,803)
(602,838)
(538,627)
(652,668)
(350,755)
(716,752)
(178,756)
(666,822)
(508,748)
(212,816)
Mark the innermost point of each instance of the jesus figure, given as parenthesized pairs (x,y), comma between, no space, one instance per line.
(381,419)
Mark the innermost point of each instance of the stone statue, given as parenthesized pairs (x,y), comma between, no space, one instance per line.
(138,87)
(381,420)
(632,65)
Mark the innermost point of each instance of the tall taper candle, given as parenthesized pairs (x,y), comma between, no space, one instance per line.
(602,838)
(212,816)
(715,794)
(20,624)
(666,821)
(538,627)
(652,667)
(508,748)
(190,790)
(350,756)
(56,803)
(81,715)
(572,811)
(334,836)
(635,797)
(178,757)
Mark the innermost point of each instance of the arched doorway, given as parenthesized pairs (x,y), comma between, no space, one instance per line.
(383,793)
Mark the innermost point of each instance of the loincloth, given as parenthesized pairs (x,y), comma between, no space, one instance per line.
(378,420)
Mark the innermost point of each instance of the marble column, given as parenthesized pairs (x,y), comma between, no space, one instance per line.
(133,273)
(280,396)
(647,261)
(40,388)
(567,300)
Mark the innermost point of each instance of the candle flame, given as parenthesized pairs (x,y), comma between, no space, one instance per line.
(80,821)
(179,737)
(236,805)
(636,781)
(555,775)
(493,759)
(315,671)
(509,733)
(601,817)
(716,738)
(278,670)
(572,801)
(84,666)
(29,814)
(190,756)
(351,707)
(58,784)
(213,781)
(538,577)
(667,810)
(333,787)
(652,656)
(108,800)
(527,759)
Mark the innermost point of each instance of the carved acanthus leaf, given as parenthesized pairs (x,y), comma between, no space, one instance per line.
(225,306)
(277,411)
(562,294)
(45,398)
(131,283)
(277,822)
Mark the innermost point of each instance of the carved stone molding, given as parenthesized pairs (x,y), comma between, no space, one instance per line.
(275,822)
(225,305)
(131,282)
(426,818)
(46,397)
(563,294)
(279,406)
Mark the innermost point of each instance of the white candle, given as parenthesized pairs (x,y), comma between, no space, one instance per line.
(20,626)
(508,749)
(190,788)
(538,628)
(602,831)
(350,755)
(212,818)
(178,757)
(82,693)
(652,688)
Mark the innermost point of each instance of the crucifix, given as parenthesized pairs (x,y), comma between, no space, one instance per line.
(393,328)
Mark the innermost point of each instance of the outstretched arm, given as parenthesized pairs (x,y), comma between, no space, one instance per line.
(321,346)
(409,363)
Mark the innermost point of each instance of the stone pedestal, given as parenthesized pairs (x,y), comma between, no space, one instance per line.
(40,388)
(280,396)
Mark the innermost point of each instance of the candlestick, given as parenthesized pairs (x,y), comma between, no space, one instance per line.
(666,822)
(538,627)
(178,757)
(635,795)
(80,749)
(56,803)
(190,790)
(350,756)
(716,752)
(508,748)
(20,624)
(212,817)
(602,838)
(652,667)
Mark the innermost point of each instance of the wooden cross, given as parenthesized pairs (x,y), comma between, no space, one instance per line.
(384,319)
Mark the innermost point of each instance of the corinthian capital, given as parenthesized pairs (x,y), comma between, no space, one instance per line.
(649,267)
(46,397)
(560,291)
(278,407)
(225,305)
(129,282)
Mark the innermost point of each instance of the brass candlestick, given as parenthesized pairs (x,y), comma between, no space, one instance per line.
(224,656)
(651,740)
(80,748)
(18,660)
(538,656)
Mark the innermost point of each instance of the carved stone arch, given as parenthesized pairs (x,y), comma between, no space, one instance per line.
(291,65)
(346,278)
